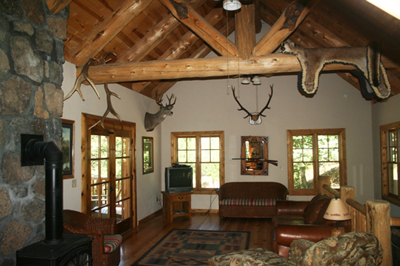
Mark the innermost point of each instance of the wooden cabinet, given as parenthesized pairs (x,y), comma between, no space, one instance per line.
(177,205)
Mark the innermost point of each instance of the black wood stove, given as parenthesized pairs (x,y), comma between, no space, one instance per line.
(57,249)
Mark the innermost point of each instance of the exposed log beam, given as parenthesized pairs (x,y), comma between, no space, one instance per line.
(55,6)
(154,37)
(188,16)
(183,44)
(245,30)
(107,30)
(200,68)
(292,16)
(201,52)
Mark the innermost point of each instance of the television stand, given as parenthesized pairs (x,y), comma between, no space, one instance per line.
(177,205)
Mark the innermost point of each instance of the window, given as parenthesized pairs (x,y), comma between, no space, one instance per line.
(204,151)
(313,153)
(390,162)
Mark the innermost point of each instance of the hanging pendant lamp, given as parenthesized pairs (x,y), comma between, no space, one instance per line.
(232,5)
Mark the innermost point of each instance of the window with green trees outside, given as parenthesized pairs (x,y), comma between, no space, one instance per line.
(314,153)
(204,151)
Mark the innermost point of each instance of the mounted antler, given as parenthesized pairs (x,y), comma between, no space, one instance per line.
(110,108)
(152,120)
(80,79)
(255,118)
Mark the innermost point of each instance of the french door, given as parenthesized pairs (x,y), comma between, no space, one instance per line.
(110,172)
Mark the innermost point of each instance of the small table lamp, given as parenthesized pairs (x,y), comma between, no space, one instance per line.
(337,211)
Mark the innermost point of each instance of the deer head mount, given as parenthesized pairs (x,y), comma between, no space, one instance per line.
(255,117)
(153,120)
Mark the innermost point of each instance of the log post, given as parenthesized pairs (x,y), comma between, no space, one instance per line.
(324,180)
(378,223)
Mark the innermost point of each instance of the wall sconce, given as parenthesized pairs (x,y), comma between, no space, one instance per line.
(232,5)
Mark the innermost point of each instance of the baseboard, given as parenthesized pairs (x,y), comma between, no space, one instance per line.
(194,211)
(151,216)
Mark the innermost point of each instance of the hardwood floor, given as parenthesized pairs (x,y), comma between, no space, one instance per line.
(149,232)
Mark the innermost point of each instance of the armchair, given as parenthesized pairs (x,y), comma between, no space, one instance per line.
(301,220)
(105,245)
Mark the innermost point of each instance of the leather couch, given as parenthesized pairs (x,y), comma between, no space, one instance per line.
(301,220)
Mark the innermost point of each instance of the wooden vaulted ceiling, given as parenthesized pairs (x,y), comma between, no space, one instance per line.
(159,42)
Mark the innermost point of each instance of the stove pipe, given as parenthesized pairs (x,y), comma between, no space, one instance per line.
(54,187)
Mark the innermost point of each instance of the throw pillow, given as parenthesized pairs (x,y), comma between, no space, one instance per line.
(315,210)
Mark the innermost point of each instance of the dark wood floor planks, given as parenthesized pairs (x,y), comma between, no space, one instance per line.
(150,231)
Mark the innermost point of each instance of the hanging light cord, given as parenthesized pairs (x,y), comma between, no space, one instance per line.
(227,48)
(257,98)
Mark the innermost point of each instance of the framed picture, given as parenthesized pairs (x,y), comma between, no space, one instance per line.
(148,158)
(67,148)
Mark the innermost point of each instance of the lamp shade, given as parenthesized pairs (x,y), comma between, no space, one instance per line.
(337,211)
(232,5)
(256,80)
(245,80)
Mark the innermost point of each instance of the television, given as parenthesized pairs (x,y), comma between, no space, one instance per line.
(179,178)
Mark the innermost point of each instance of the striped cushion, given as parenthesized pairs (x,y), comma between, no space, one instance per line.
(111,242)
(249,202)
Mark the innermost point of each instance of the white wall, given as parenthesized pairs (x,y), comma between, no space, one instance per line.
(205,105)
(383,113)
(131,107)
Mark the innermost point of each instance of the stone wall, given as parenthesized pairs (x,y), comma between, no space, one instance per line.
(31,58)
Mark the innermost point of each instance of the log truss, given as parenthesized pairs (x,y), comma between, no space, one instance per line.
(159,42)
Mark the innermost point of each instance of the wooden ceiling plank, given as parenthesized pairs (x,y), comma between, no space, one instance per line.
(245,30)
(107,30)
(200,52)
(292,16)
(188,16)
(56,6)
(154,37)
(184,43)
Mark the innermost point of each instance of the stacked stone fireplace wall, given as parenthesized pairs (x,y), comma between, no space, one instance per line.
(31,102)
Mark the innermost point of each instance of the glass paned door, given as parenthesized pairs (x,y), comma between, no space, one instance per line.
(100,176)
(111,177)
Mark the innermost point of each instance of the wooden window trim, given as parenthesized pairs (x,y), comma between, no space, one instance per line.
(197,134)
(384,165)
(315,132)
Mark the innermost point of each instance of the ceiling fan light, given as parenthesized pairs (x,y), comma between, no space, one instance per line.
(245,80)
(232,5)
(256,80)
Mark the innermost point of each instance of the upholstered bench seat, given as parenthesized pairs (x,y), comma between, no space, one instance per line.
(249,202)
(250,199)
(112,242)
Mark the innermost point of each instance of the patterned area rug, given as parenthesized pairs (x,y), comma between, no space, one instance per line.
(193,247)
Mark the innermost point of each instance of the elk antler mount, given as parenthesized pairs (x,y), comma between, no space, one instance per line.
(84,76)
(255,117)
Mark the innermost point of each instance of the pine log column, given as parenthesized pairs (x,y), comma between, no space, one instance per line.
(31,102)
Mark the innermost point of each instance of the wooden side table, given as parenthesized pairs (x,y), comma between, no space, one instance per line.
(177,205)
